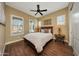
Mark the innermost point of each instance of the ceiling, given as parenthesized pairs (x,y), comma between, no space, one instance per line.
(27,6)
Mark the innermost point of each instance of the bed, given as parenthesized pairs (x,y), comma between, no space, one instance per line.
(39,40)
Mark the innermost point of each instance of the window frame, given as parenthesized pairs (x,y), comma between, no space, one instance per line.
(11,25)
(32,25)
(59,23)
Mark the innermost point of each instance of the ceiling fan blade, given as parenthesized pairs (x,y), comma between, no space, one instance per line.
(38,7)
(36,13)
(38,10)
(40,13)
(43,10)
(34,10)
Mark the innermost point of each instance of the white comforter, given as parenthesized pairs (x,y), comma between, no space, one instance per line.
(39,39)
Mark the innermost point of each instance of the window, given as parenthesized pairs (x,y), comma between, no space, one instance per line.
(61,20)
(17,25)
(32,25)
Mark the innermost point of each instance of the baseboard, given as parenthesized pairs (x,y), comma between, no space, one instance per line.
(3,50)
(13,41)
(75,53)
(69,44)
(66,41)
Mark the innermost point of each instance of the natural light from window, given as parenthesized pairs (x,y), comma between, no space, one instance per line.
(17,25)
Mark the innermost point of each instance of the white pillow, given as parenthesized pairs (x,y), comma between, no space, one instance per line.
(42,30)
(49,30)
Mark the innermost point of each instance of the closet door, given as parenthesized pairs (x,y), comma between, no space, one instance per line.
(2,29)
(75,28)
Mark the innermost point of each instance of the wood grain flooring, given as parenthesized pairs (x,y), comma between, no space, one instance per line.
(52,49)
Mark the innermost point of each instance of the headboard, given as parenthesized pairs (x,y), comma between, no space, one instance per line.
(47,28)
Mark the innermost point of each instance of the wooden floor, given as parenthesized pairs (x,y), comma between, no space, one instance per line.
(52,49)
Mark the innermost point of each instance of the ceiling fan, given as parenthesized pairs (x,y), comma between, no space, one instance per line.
(38,10)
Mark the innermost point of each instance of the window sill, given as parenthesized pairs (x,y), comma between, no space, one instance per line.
(18,34)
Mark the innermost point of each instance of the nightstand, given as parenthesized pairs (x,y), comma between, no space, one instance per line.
(59,37)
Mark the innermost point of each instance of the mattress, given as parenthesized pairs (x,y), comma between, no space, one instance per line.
(39,39)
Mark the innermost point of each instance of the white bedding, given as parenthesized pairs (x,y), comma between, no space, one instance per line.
(39,39)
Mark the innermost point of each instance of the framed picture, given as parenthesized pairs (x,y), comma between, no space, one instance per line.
(47,22)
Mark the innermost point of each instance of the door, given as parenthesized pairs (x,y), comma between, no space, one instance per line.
(74,14)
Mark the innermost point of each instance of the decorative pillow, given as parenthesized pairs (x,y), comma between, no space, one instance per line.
(46,30)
